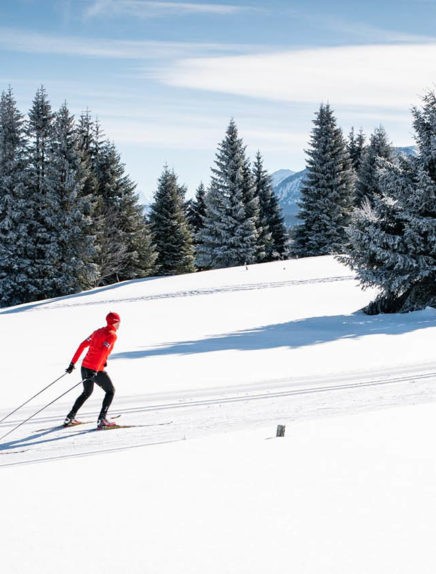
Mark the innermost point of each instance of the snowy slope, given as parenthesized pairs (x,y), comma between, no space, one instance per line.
(210,363)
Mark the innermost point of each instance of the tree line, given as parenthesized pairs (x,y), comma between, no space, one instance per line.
(70,218)
(235,221)
(373,208)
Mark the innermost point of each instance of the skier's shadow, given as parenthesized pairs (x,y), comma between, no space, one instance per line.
(32,440)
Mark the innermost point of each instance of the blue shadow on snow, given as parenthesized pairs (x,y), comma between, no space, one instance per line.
(294,334)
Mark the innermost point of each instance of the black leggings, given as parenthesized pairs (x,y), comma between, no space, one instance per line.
(102,379)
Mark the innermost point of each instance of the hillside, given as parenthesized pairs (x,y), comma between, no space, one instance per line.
(207,365)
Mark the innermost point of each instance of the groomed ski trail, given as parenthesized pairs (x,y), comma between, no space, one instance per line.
(250,407)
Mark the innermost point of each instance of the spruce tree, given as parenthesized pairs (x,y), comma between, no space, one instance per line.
(327,192)
(42,207)
(67,172)
(273,231)
(14,267)
(393,240)
(229,234)
(367,185)
(196,209)
(89,143)
(250,198)
(356,147)
(170,228)
(124,243)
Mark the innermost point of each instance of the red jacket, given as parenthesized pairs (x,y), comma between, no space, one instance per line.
(100,344)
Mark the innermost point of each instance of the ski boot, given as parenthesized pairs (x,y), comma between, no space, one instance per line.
(104,424)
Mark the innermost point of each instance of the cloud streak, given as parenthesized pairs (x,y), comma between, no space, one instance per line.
(377,75)
(145,9)
(17,40)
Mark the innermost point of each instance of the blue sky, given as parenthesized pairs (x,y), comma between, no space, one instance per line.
(164,78)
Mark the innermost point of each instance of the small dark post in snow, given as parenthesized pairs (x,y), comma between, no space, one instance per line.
(281,430)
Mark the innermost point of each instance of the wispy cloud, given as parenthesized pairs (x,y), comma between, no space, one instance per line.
(363,33)
(146,9)
(378,75)
(33,42)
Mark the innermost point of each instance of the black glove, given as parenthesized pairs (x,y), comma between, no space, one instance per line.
(91,375)
(70,368)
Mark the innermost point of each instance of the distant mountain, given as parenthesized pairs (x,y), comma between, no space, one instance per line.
(407,151)
(287,189)
(288,193)
(278,176)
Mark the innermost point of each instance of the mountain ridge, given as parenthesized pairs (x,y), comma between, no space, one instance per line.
(287,189)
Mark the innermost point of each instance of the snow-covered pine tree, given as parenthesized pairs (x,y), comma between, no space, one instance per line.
(356,146)
(367,185)
(89,142)
(273,230)
(67,171)
(327,193)
(196,209)
(228,237)
(195,213)
(14,268)
(250,198)
(125,247)
(424,123)
(170,229)
(393,241)
(263,186)
(42,206)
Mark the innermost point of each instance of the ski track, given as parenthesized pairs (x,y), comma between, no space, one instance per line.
(195,292)
(199,417)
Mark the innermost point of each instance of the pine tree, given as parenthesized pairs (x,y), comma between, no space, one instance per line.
(125,247)
(356,147)
(41,248)
(67,172)
(424,123)
(89,143)
(367,185)
(250,198)
(229,234)
(196,209)
(14,267)
(273,230)
(327,192)
(170,228)
(393,240)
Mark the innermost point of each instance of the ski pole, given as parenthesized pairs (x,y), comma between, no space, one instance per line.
(31,398)
(40,410)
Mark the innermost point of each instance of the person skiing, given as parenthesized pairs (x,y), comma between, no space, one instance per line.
(100,343)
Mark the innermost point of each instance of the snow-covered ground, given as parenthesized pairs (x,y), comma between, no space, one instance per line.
(209,364)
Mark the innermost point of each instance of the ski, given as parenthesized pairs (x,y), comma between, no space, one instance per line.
(59,427)
(134,426)
(113,427)
(79,423)
(157,424)
(76,424)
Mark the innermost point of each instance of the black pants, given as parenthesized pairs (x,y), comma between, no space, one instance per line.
(102,379)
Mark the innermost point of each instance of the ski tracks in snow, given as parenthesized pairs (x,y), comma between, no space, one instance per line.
(63,302)
(249,406)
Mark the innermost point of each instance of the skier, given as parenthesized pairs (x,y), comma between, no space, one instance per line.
(100,343)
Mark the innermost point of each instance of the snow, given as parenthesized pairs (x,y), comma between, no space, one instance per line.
(211,362)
